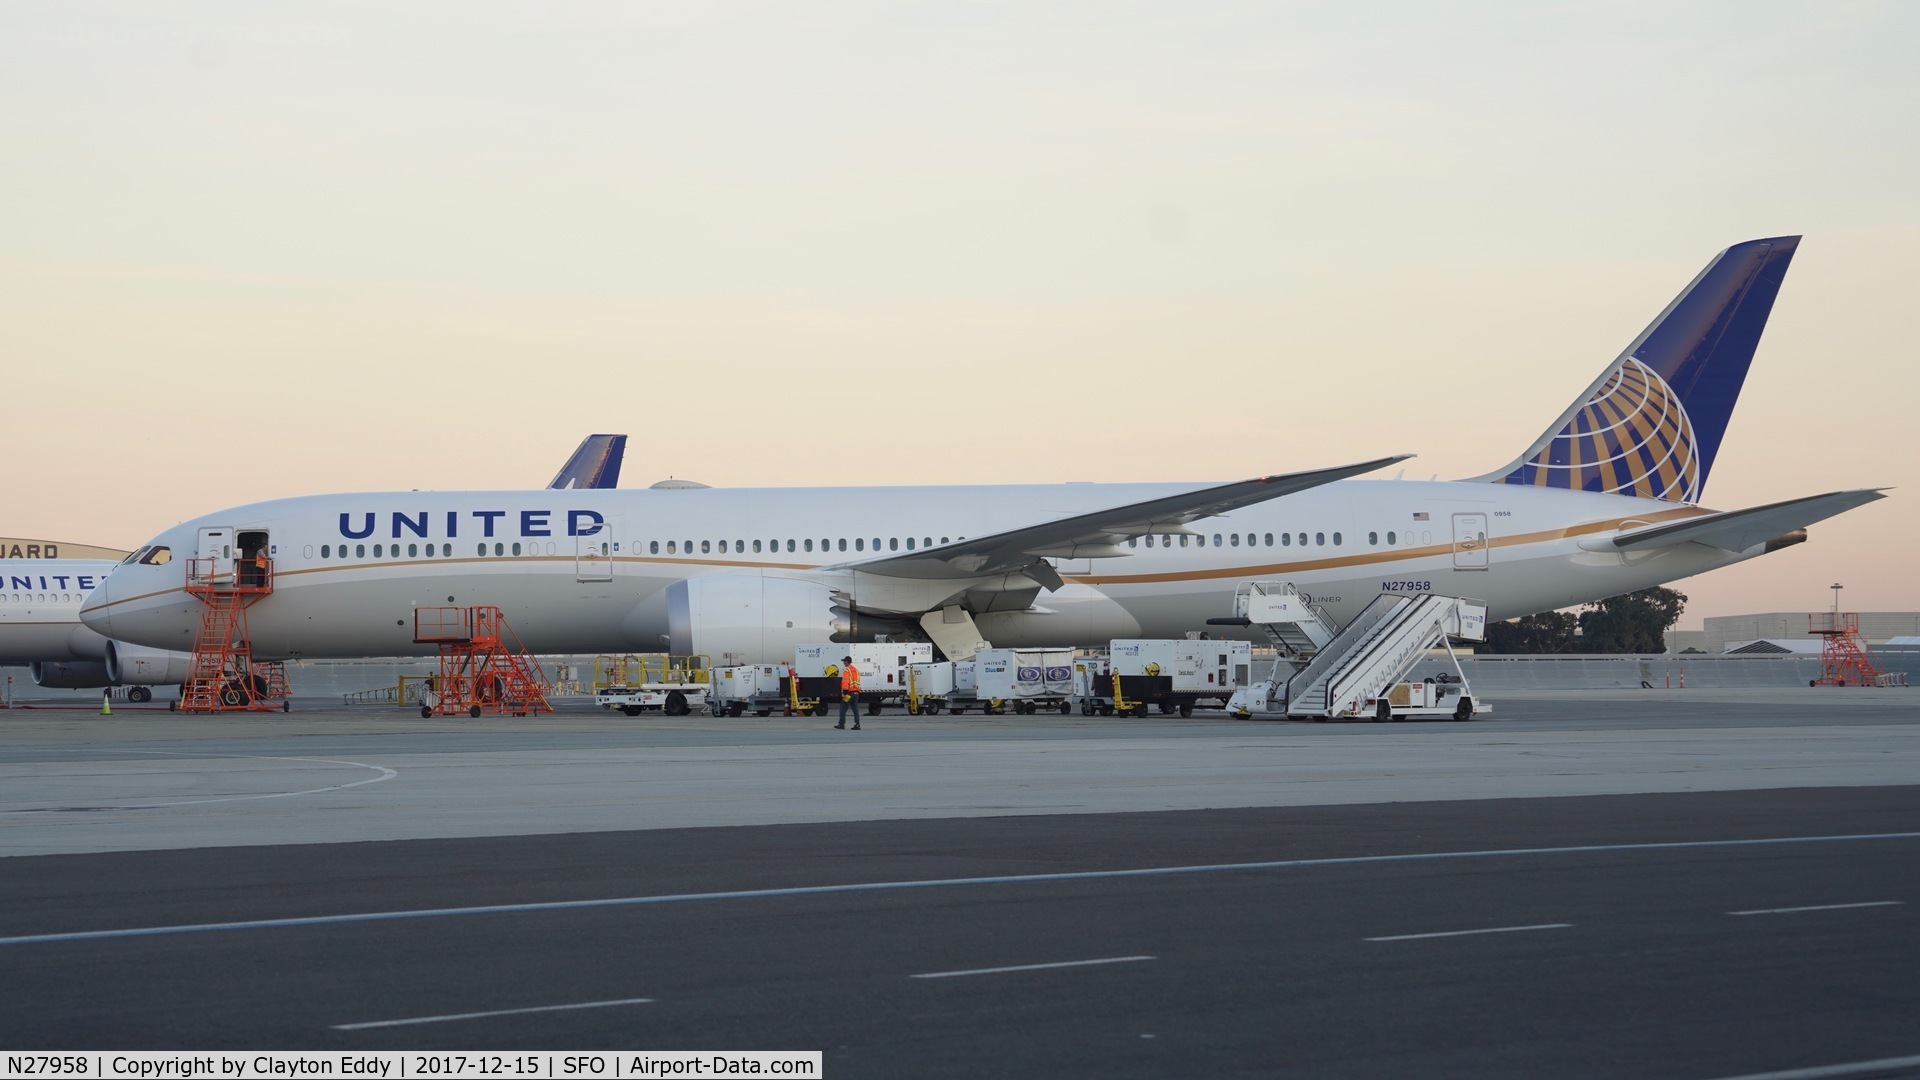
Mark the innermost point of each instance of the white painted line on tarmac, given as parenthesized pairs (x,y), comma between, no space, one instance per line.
(1029,967)
(385,774)
(1817,907)
(1465,933)
(484,1015)
(1816,1072)
(932,883)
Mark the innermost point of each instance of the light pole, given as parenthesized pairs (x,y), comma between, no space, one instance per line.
(1836,597)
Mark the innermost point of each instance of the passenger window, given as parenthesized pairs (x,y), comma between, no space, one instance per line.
(1216,539)
(1269,539)
(1320,539)
(1303,539)
(706,547)
(843,543)
(876,543)
(756,547)
(516,547)
(1149,539)
(499,548)
(739,547)
(859,543)
(893,543)
(1286,539)
(1235,537)
(926,542)
(808,544)
(483,548)
(376,551)
(326,551)
(1183,539)
(1373,538)
(413,550)
(1336,539)
(359,551)
(446,550)
(1390,540)
(673,547)
(909,543)
(944,540)
(790,545)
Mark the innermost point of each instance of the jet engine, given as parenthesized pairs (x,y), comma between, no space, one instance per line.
(137,665)
(748,617)
(69,674)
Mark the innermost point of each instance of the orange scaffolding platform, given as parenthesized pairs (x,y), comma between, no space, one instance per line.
(1843,662)
(222,675)
(483,667)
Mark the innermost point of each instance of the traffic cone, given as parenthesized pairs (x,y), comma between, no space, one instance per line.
(106,702)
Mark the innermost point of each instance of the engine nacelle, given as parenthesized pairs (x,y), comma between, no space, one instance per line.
(750,617)
(69,674)
(137,665)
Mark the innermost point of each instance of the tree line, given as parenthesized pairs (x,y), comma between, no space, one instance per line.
(1635,622)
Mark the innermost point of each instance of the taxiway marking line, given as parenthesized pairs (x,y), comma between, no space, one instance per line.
(483,1015)
(1465,933)
(934,883)
(1817,907)
(1817,1072)
(1029,967)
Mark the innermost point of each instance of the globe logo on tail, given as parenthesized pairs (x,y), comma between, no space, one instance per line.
(1632,437)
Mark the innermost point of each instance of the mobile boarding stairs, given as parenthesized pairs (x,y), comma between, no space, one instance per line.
(1325,671)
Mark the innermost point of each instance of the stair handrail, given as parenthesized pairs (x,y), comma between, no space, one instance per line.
(1407,618)
(1328,659)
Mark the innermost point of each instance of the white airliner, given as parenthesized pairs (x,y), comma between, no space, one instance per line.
(40,601)
(1603,503)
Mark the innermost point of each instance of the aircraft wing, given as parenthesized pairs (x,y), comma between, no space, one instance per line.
(1099,533)
(1738,530)
(596,464)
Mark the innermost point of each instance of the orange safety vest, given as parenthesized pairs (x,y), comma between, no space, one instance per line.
(850,680)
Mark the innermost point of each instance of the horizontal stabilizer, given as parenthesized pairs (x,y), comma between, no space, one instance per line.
(1738,530)
(1094,535)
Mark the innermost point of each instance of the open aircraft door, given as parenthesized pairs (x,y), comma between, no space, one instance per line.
(593,555)
(213,558)
(1470,541)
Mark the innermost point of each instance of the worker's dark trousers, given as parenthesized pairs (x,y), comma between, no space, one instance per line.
(850,702)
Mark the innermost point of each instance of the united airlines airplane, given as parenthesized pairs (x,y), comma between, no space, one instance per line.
(1605,502)
(40,601)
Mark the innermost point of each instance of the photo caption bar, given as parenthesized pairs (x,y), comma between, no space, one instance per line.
(395,1064)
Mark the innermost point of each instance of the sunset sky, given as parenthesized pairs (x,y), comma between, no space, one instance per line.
(254,250)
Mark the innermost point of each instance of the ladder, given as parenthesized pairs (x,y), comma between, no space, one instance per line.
(1297,629)
(222,675)
(483,666)
(1377,649)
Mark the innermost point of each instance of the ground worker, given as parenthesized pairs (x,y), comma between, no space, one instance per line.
(849,692)
(260,566)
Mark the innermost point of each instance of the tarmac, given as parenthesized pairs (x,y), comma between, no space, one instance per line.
(1687,884)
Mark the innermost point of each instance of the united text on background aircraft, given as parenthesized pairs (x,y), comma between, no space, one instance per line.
(40,601)
(1604,502)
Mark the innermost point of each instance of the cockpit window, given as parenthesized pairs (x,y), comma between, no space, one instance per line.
(134,557)
(157,555)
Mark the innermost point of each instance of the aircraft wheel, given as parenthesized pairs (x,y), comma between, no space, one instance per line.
(230,697)
(473,711)
(139,695)
(1464,710)
(1382,712)
(1186,708)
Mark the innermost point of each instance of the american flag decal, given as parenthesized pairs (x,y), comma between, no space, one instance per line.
(1420,515)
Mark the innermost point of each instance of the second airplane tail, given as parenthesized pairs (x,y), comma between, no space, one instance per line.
(1651,424)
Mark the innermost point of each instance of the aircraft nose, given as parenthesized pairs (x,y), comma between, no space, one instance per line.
(95,612)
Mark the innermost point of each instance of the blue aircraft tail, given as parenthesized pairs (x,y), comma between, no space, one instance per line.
(596,464)
(1651,424)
